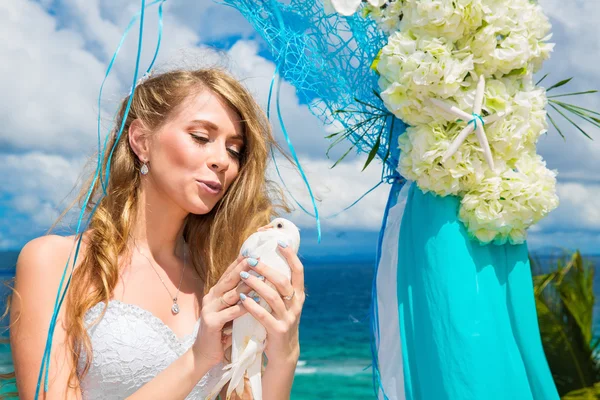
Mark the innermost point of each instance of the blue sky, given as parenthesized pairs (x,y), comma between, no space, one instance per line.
(54,55)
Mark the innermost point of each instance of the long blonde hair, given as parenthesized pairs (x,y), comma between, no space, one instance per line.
(214,239)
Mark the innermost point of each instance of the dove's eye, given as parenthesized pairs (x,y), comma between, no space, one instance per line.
(280,225)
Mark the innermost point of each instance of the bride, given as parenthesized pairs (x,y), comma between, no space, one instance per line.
(154,286)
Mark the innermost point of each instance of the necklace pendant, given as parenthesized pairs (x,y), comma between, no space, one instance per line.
(175,308)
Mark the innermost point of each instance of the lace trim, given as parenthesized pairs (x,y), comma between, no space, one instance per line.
(177,344)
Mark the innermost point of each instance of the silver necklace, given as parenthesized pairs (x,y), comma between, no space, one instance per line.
(175,307)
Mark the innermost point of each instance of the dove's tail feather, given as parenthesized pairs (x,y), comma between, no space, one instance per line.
(254,375)
(238,370)
(235,372)
(224,379)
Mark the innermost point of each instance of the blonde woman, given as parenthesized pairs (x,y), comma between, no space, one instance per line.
(158,276)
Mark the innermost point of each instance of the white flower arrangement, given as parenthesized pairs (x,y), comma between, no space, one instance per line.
(437,53)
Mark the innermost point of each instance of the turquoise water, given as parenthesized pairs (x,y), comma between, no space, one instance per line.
(334,334)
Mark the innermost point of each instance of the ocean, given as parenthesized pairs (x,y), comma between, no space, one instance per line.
(334,330)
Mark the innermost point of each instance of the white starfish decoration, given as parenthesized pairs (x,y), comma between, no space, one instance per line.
(475,122)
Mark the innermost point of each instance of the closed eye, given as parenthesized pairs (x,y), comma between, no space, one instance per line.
(234,153)
(203,140)
(200,139)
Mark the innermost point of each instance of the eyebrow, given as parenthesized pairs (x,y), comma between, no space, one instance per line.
(214,127)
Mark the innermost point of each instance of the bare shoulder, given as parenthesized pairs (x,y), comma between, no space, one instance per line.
(40,267)
(44,248)
(47,254)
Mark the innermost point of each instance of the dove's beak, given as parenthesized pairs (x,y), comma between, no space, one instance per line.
(264,228)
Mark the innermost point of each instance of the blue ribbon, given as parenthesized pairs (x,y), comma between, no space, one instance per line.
(387,179)
(45,365)
(109,69)
(284,130)
(474,120)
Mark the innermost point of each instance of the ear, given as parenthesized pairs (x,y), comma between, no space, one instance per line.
(139,140)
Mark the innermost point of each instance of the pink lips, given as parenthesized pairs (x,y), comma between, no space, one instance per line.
(212,186)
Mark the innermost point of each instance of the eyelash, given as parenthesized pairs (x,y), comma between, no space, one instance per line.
(203,140)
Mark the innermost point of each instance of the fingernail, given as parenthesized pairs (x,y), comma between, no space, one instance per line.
(282,243)
(243,297)
(260,277)
(245,253)
(253,262)
(256,299)
(244,275)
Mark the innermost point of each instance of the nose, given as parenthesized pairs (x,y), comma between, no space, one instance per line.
(218,159)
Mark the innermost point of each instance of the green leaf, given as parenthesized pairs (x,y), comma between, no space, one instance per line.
(559,84)
(589,393)
(335,134)
(373,151)
(556,126)
(389,141)
(592,120)
(377,94)
(572,94)
(517,72)
(371,106)
(577,107)
(540,81)
(570,120)
(350,131)
(342,157)
(376,61)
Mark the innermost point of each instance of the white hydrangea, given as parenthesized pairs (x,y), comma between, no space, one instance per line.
(388,18)
(413,69)
(512,37)
(422,147)
(438,49)
(442,18)
(501,207)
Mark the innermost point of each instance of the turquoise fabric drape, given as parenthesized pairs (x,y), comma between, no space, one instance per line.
(467,311)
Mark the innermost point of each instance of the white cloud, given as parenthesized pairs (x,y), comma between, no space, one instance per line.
(576,32)
(38,187)
(47,97)
(54,67)
(579,209)
(335,190)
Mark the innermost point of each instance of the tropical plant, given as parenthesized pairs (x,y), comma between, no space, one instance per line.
(565,303)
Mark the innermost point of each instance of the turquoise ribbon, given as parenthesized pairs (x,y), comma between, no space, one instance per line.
(109,69)
(474,120)
(284,130)
(45,365)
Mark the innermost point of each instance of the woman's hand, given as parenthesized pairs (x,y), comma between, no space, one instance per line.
(220,306)
(282,347)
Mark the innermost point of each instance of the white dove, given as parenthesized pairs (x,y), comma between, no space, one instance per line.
(248,335)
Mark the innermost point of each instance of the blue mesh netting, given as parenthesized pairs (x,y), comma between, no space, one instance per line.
(328,59)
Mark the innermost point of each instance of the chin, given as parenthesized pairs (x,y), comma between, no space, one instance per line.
(199,207)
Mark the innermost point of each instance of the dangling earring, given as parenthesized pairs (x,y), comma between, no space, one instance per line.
(144,169)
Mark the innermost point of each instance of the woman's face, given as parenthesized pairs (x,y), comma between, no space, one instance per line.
(195,156)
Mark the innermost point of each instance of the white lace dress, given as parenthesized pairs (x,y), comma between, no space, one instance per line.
(130,347)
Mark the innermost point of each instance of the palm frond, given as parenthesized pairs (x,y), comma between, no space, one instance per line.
(565,302)
(586,114)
